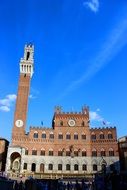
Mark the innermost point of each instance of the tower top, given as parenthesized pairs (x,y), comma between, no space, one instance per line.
(26,63)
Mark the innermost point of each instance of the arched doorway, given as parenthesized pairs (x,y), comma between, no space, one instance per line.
(15,159)
(33,167)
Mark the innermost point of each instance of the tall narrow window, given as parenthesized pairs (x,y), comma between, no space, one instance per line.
(35,135)
(51,136)
(93,136)
(111,152)
(75,152)
(68,167)
(50,152)
(76,167)
(27,55)
(34,152)
(103,152)
(59,166)
(75,136)
(94,167)
(60,153)
(68,136)
(83,136)
(94,152)
(110,136)
(83,123)
(42,153)
(50,167)
(68,153)
(60,136)
(84,153)
(33,167)
(102,135)
(25,166)
(43,135)
(84,167)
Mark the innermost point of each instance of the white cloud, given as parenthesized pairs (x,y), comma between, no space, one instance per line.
(93,5)
(11,97)
(6,103)
(4,108)
(31,96)
(94,116)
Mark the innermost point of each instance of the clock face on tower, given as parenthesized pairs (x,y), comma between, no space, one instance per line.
(19,123)
(71,122)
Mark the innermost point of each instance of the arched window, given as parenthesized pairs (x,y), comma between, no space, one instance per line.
(110,136)
(75,152)
(93,136)
(25,166)
(35,135)
(94,167)
(68,152)
(68,136)
(103,152)
(111,152)
(60,152)
(102,135)
(42,167)
(27,55)
(68,167)
(59,166)
(76,167)
(51,136)
(42,153)
(103,167)
(84,167)
(83,136)
(34,152)
(50,167)
(84,152)
(50,152)
(33,167)
(75,136)
(94,152)
(60,136)
(83,123)
(43,135)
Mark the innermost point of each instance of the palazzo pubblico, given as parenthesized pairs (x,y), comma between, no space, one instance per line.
(69,147)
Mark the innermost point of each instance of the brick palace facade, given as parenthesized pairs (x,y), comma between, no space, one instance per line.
(69,147)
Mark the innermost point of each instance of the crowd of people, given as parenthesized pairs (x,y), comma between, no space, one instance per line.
(111,181)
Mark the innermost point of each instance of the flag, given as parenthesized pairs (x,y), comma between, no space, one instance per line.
(41,122)
(104,123)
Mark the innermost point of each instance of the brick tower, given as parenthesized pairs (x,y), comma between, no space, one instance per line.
(26,72)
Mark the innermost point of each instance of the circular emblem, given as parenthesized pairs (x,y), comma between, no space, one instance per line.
(19,123)
(71,122)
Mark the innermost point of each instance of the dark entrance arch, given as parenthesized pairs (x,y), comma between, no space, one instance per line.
(15,160)
(33,167)
(42,167)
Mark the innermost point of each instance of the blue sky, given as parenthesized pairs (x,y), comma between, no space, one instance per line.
(80,58)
